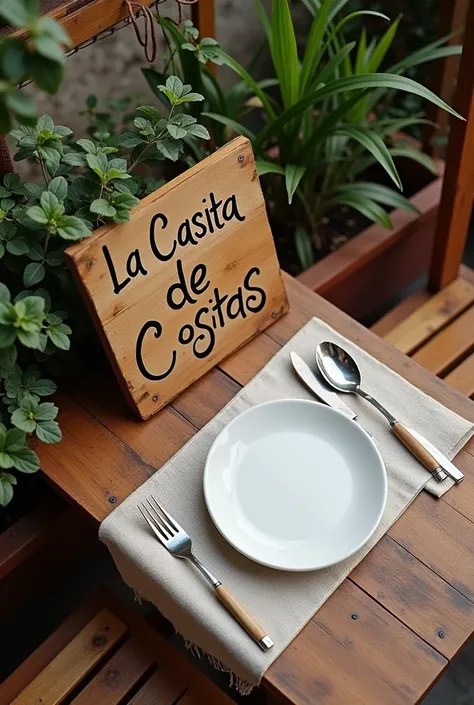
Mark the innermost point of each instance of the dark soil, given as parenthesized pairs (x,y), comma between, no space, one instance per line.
(29,491)
(343,223)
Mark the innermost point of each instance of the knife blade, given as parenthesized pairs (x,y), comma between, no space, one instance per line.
(319,387)
(329,397)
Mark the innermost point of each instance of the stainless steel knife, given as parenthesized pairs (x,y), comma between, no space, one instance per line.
(332,399)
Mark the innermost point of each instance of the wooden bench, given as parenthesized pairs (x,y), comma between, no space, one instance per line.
(104,654)
(437,331)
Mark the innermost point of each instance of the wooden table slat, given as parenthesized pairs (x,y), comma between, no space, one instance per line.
(357,622)
(416,596)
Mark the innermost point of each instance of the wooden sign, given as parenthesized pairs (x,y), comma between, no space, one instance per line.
(191,277)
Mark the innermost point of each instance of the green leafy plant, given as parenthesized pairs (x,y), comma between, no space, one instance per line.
(327,125)
(86,183)
(190,56)
(37,54)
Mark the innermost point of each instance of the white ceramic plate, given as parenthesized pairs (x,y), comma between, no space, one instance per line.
(295,485)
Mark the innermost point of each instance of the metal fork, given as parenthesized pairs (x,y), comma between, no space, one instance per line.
(175,539)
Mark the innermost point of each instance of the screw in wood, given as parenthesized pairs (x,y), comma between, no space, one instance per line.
(89,263)
(441,634)
(112,499)
(99,640)
(354,616)
(155,397)
(240,158)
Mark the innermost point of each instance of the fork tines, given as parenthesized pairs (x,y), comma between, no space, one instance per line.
(163,525)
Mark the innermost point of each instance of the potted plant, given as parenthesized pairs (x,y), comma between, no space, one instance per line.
(330,159)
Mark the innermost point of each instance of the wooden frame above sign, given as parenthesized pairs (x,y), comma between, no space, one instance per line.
(193,276)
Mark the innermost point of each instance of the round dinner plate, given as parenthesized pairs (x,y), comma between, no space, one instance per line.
(295,485)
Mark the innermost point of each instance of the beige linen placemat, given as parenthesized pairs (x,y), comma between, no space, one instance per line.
(282,602)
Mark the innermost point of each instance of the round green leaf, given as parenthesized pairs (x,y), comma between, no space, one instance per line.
(58,187)
(18,246)
(21,104)
(4,293)
(48,431)
(20,419)
(50,49)
(34,273)
(47,74)
(25,460)
(6,489)
(43,388)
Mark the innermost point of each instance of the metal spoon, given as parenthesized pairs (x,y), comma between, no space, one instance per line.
(340,370)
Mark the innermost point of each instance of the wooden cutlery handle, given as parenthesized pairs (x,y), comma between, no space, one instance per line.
(415,447)
(244,617)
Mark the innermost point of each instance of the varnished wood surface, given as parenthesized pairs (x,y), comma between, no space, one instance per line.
(437,331)
(451,19)
(427,320)
(458,187)
(413,596)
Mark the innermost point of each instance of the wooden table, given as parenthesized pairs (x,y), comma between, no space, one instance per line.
(390,630)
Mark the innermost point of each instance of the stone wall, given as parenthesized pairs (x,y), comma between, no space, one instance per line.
(111,67)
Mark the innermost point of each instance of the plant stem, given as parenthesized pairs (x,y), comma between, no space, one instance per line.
(150,144)
(138,159)
(308,212)
(43,169)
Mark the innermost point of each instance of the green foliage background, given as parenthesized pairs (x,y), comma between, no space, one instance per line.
(419,26)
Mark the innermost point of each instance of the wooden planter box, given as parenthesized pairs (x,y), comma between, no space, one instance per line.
(371,268)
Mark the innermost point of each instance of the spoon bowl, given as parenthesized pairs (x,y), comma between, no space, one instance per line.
(340,370)
(337,367)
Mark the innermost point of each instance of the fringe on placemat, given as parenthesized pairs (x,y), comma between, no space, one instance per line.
(240,684)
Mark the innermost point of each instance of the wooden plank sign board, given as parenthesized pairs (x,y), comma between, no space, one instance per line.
(189,279)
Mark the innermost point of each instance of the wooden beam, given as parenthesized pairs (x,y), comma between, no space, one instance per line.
(204,17)
(458,187)
(452,17)
(90,20)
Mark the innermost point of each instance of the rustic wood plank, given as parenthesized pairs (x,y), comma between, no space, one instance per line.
(458,187)
(461,497)
(30,532)
(466,273)
(462,377)
(357,622)
(161,689)
(74,662)
(199,402)
(446,349)
(118,676)
(245,363)
(46,652)
(432,316)
(316,668)
(174,667)
(86,22)
(93,465)
(196,283)
(398,313)
(441,538)
(111,410)
(416,596)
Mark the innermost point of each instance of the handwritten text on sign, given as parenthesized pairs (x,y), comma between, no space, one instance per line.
(188,280)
